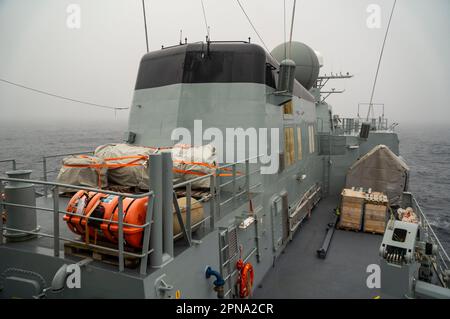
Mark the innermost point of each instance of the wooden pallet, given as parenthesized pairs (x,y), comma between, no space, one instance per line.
(374,232)
(109,257)
(348,228)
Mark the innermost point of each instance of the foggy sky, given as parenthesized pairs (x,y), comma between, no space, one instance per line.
(99,61)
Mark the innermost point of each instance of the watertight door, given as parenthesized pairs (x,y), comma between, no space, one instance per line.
(277,223)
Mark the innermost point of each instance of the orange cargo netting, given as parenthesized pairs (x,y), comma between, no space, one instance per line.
(136,161)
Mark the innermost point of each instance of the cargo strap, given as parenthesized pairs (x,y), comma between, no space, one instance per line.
(136,159)
(86,232)
(98,166)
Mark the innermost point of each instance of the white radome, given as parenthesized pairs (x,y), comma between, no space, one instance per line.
(319,57)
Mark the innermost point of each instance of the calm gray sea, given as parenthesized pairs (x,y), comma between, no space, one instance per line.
(425,149)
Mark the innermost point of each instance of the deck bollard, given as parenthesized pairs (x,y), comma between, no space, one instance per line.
(20,218)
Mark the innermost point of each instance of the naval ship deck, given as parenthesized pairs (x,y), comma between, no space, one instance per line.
(299,273)
(43,245)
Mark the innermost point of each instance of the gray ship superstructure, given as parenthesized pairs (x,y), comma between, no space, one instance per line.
(249,216)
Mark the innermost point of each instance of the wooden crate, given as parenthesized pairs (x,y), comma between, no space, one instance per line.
(375,216)
(352,206)
(377,198)
(99,254)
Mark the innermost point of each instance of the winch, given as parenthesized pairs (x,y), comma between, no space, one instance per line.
(406,263)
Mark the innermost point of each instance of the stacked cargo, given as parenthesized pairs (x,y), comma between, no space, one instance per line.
(352,207)
(375,213)
(361,210)
(124,167)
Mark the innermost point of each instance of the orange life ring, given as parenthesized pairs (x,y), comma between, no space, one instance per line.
(245,279)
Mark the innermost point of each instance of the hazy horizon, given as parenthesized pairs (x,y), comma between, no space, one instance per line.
(99,61)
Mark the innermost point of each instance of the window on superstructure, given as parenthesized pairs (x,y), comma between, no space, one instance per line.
(289,149)
(312,139)
(299,143)
(288,108)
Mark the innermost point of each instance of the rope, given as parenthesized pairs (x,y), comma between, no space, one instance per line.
(254,28)
(63,97)
(284,26)
(135,162)
(204,18)
(145,24)
(19,271)
(379,62)
(292,29)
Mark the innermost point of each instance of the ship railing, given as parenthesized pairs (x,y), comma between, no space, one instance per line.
(443,259)
(240,170)
(352,125)
(12,161)
(237,185)
(13,164)
(45,167)
(157,193)
(55,210)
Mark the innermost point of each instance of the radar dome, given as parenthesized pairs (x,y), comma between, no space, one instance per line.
(307,63)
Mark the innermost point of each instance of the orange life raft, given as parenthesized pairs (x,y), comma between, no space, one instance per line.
(102,206)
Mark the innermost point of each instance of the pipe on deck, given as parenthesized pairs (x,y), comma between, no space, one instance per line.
(156,234)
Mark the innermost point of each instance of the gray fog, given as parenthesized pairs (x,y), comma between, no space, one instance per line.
(98,62)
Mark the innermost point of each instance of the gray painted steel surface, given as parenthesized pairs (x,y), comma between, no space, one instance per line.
(282,204)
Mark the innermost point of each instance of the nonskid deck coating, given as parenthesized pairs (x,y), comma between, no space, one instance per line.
(299,273)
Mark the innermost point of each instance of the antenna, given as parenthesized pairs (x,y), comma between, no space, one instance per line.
(292,29)
(323,80)
(181,37)
(145,24)
(284,27)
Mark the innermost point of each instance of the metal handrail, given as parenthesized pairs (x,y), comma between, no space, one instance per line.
(191,181)
(44,209)
(67,154)
(241,161)
(10,160)
(215,191)
(90,189)
(428,226)
(215,206)
(380,124)
(44,165)
(56,213)
(126,253)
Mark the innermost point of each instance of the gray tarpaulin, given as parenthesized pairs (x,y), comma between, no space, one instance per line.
(82,176)
(382,171)
(127,176)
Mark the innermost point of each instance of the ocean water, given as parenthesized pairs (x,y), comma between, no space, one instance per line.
(425,149)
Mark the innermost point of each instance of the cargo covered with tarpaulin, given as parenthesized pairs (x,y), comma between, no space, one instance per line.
(82,170)
(126,166)
(382,171)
